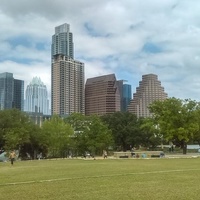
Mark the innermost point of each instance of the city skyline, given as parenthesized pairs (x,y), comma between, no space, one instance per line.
(128,38)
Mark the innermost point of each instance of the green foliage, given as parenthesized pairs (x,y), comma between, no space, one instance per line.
(177,119)
(77,121)
(98,135)
(125,129)
(173,120)
(91,134)
(56,135)
(15,127)
(150,134)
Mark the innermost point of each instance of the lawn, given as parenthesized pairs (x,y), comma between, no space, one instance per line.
(142,179)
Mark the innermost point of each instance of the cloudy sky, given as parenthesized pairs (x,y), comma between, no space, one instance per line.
(129,38)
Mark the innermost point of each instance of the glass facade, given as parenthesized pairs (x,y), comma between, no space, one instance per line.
(11,92)
(36,97)
(62,41)
(126,97)
(6,90)
(18,98)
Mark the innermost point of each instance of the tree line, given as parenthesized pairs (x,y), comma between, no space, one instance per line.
(173,120)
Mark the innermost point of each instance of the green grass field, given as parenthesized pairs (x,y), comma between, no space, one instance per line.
(141,179)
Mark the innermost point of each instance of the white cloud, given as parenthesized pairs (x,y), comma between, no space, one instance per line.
(117,32)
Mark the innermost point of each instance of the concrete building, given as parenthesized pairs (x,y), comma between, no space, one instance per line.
(11,92)
(36,97)
(102,95)
(149,90)
(67,75)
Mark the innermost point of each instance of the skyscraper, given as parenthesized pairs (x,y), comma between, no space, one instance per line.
(11,92)
(149,90)
(102,95)
(36,97)
(126,97)
(62,41)
(67,75)
(18,98)
(6,90)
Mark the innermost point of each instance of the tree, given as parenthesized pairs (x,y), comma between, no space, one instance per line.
(14,128)
(176,119)
(125,129)
(98,136)
(150,134)
(90,133)
(197,133)
(57,136)
(79,123)
(34,145)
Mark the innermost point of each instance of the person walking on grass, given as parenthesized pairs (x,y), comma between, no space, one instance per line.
(12,157)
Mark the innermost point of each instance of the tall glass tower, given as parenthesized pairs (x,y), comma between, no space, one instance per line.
(36,97)
(126,96)
(11,92)
(6,90)
(18,98)
(62,41)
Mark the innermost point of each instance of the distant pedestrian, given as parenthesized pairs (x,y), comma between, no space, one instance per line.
(105,155)
(12,157)
(133,152)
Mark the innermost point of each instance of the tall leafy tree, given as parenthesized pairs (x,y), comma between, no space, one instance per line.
(90,133)
(176,119)
(197,133)
(150,135)
(34,145)
(98,136)
(57,136)
(125,129)
(79,123)
(15,127)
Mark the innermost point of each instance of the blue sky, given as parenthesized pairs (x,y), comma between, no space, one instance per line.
(129,38)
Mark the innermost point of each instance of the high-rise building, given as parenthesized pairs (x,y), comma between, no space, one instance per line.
(67,75)
(102,95)
(36,97)
(11,92)
(67,86)
(18,98)
(126,97)
(6,90)
(149,90)
(62,41)
(125,94)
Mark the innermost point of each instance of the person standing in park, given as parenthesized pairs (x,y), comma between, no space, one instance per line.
(105,154)
(133,152)
(12,156)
